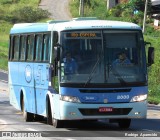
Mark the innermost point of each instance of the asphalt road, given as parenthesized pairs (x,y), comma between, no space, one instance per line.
(3,76)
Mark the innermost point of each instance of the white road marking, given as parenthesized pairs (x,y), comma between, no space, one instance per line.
(3,124)
(31,129)
(4,81)
(153,131)
(147,130)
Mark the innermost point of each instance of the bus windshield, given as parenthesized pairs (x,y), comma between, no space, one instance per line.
(103,57)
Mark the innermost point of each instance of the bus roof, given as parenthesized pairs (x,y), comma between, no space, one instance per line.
(76,23)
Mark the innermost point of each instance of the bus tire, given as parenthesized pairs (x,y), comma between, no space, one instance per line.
(124,123)
(51,120)
(57,123)
(49,113)
(28,117)
(38,117)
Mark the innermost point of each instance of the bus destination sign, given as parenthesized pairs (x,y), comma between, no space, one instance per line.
(83,35)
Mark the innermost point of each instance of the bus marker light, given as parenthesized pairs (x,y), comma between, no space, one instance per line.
(72,113)
(136,113)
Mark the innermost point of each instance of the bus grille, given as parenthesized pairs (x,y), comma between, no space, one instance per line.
(95,112)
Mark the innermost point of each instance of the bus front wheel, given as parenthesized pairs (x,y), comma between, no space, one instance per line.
(51,120)
(124,123)
(57,123)
(49,114)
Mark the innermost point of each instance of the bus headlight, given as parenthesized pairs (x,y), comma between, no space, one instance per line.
(139,98)
(70,99)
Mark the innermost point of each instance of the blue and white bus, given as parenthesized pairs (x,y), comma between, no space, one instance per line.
(38,83)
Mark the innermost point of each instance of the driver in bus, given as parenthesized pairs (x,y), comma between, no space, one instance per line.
(122,59)
(70,65)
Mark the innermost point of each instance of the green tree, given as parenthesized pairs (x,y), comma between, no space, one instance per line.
(30,14)
(88,2)
(139,5)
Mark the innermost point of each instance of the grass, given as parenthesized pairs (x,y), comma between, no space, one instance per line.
(4,39)
(7,9)
(9,2)
(154,71)
(3,55)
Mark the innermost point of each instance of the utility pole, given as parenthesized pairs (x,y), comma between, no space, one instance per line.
(145,15)
(81,8)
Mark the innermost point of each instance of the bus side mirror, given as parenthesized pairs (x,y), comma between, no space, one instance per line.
(150,56)
(56,53)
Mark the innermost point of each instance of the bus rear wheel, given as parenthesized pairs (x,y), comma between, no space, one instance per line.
(38,117)
(124,123)
(28,117)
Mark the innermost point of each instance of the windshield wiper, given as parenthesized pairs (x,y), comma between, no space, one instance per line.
(121,80)
(93,69)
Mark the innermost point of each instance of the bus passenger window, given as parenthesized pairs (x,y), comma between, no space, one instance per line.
(46,47)
(38,55)
(22,48)
(30,47)
(16,48)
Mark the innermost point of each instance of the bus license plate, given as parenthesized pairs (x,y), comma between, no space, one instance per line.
(105,109)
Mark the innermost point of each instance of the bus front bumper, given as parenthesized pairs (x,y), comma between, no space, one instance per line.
(79,111)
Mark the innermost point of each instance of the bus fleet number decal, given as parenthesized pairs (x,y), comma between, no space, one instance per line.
(120,97)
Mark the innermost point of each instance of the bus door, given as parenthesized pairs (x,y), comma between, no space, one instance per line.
(41,72)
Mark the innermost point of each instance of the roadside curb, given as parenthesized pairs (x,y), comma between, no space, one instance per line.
(3,71)
(153,114)
(4,89)
(149,104)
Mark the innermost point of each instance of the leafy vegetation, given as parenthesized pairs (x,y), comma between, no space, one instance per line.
(154,71)
(21,11)
(131,11)
(4,36)
(3,57)
(16,11)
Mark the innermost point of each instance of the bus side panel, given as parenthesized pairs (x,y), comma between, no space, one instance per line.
(14,84)
(27,85)
(41,77)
